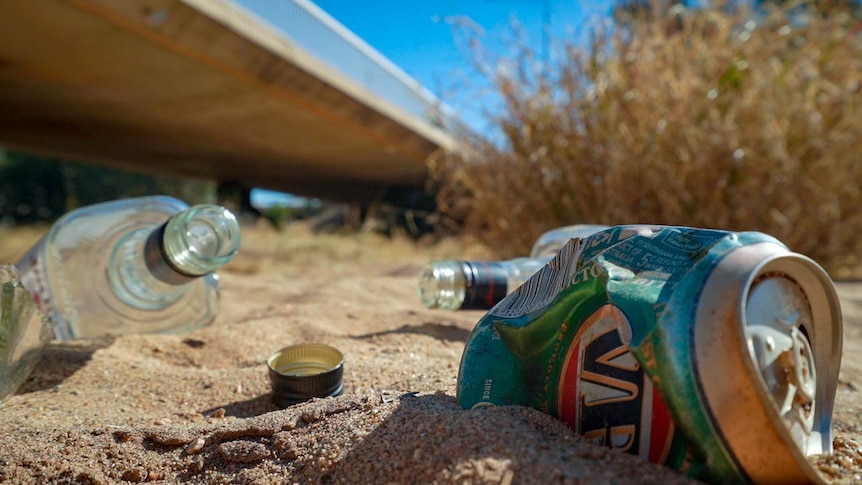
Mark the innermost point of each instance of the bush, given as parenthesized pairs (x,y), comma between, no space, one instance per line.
(712,117)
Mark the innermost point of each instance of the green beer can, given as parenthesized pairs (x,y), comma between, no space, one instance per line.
(712,352)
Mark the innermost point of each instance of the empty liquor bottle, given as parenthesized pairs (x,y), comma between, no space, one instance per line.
(23,333)
(479,285)
(140,265)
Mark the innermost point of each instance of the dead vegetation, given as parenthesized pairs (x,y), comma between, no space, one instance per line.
(717,117)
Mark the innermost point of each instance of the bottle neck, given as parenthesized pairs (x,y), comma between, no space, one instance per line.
(158,263)
(140,275)
(152,268)
(474,285)
(464,285)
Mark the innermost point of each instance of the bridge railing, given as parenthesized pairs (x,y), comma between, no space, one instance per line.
(316,32)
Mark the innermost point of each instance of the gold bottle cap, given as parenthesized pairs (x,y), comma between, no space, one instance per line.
(305,371)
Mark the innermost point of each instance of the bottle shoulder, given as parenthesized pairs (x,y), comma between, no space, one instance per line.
(108,220)
(549,243)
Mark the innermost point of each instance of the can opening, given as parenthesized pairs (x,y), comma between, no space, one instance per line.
(768,344)
(777,316)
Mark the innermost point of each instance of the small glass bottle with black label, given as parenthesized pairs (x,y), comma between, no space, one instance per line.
(479,285)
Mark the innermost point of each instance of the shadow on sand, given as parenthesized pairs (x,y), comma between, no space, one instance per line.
(59,361)
(440,331)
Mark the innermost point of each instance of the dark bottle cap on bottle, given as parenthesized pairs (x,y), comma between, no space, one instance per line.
(486,284)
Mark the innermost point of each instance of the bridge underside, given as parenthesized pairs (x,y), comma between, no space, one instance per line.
(197,88)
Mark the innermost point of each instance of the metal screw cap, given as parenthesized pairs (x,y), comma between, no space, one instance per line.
(305,371)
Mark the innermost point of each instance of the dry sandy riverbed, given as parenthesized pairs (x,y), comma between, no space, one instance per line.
(196,408)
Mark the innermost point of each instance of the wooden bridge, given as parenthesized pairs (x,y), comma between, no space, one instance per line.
(205,89)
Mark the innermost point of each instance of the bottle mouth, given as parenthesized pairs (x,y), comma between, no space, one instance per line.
(441,285)
(201,240)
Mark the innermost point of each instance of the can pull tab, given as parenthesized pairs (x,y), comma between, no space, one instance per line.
(787,366)
(803,377)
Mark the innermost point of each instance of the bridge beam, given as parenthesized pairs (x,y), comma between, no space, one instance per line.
(197,88)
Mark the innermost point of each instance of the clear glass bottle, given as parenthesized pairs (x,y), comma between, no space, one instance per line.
(549,243)
(23,331)
(141,265)
(479,285)
(473,285)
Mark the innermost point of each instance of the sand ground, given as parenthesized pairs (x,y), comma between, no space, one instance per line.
(196,408)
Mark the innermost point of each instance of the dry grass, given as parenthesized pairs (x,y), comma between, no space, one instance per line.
(701,118)
(263,246)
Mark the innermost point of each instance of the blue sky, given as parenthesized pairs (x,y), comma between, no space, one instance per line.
(419,38)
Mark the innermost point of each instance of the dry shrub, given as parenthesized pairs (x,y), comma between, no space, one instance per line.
(712,117)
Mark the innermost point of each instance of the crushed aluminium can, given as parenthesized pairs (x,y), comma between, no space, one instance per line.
(712,352)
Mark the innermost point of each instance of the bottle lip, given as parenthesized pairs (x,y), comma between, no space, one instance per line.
(180,251)
(441,281)
(159,263)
